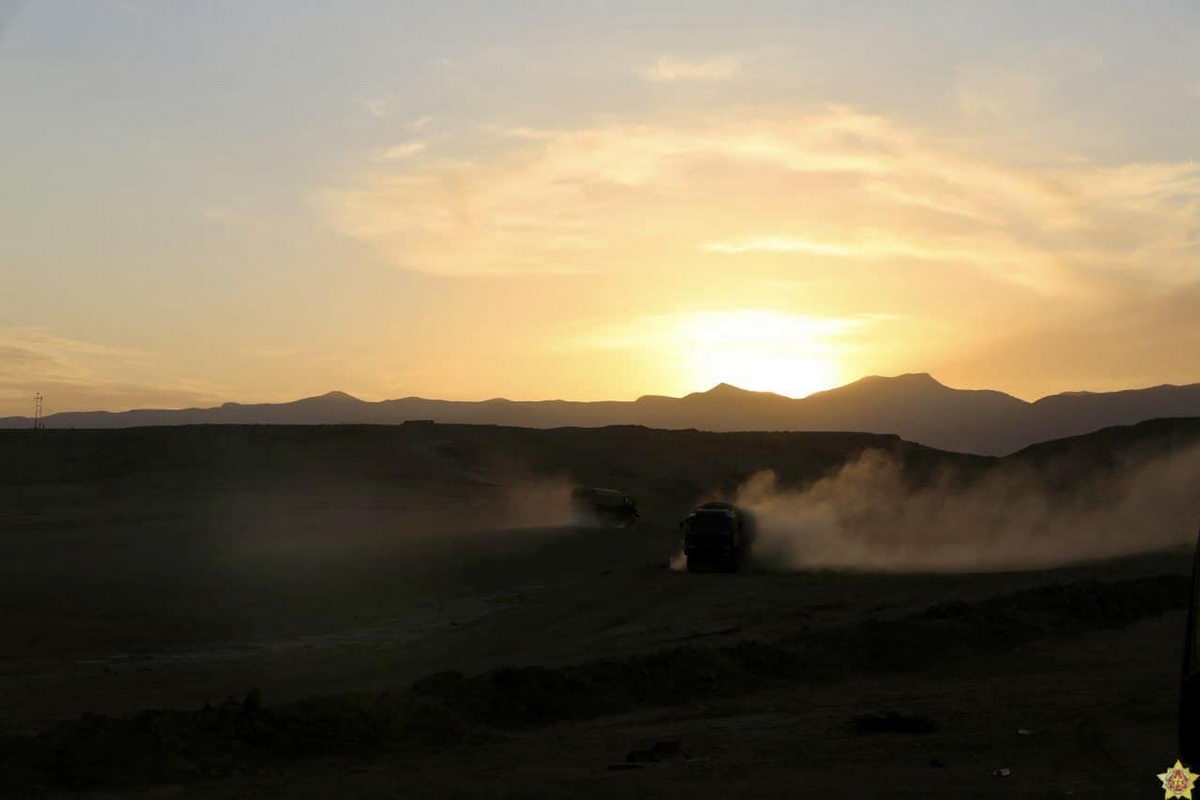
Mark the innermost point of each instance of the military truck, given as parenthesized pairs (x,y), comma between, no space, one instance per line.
(717,536)
(604,506)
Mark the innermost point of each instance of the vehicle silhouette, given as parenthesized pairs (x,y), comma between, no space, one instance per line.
(604,506)
(717,536)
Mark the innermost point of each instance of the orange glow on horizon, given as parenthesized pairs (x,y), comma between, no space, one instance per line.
(764,351)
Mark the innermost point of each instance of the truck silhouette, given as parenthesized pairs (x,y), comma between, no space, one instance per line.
(604,506)
(717,536)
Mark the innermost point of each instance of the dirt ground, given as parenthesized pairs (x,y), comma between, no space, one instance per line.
(140,621)
(1088,718)
(1085,716)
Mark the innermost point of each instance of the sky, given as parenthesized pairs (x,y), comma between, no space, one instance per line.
(205,202)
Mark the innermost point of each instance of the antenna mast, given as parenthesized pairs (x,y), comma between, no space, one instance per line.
(37,412)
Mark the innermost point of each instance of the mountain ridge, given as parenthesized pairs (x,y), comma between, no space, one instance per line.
(915,406)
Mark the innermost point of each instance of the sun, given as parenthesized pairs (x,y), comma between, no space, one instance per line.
(760,350)
(792,377)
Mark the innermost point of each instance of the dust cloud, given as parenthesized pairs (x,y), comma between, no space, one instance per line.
(286,526)
(537,502)
(868,515)
(270,561)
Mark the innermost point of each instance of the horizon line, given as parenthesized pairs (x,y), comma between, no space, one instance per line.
(715,387)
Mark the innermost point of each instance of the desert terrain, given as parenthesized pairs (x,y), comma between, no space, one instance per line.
(383,611)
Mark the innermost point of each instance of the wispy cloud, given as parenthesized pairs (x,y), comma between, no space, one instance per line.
(711,326)
(781,244)
(830,185)
(402,151)
(272,352)
(386,106)
(39,340)
(378,107)
(75,374)
(874,246)
(1024,91)
(673,68)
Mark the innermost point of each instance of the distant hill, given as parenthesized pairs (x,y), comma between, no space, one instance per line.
(915,407)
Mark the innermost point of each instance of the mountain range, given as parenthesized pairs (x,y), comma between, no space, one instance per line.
(915,406)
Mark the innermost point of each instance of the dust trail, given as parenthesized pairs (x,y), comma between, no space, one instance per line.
(338,555)
(1012,516)
(537,502)
(365,523)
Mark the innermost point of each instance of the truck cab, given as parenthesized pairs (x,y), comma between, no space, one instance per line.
(716,536)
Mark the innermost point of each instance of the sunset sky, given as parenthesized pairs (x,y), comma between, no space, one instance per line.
(258,201)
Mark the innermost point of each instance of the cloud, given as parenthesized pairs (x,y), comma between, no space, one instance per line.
(671,68)
(785,192)
(38,340)
(1021,98)
(16,398)
(273,352)
(714,326)
(384,106)
(402,151)
(75,374)
(868,244)
(378,107)
(1013,90)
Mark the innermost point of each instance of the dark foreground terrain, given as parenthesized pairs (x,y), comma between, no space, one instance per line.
(383,612)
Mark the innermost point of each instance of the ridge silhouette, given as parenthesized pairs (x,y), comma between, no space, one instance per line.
(915,406)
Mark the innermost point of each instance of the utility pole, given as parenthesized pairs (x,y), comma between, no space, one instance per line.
(37,411)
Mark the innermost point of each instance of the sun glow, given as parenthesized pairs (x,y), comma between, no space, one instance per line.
(763,351)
